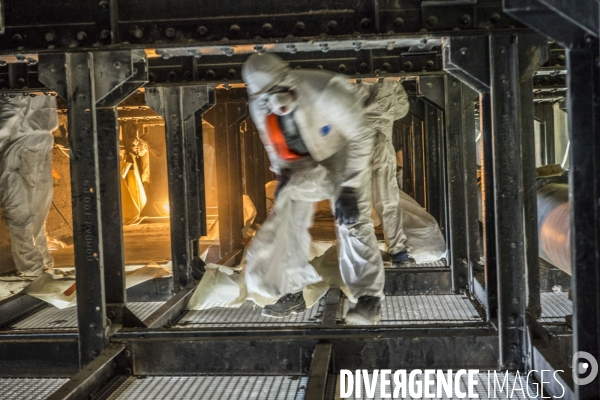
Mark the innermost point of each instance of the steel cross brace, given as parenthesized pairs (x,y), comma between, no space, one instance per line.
(93,84)
(179,106)
(503,65)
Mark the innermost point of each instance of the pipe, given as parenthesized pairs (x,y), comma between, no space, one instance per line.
(554,225)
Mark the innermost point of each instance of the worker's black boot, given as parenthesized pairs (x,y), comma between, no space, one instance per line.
(285,306)
(401,260)
(366,312)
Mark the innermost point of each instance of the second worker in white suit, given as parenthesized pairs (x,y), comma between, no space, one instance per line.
(310,118)
(386,102)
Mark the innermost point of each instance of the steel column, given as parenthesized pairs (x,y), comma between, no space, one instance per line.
(178,106)
(432,89)
(583,104)
(488,206)
(462,195)
(418,162)
(228,117)
(112,216)
(89,82)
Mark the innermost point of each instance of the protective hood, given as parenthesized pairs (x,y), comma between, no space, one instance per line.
(262,72)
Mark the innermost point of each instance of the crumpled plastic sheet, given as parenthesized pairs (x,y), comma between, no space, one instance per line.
(61,293)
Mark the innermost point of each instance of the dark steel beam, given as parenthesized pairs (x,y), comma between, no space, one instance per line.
(93,378)
(171,311)
(31,356)
(16,307)
(228,117)
(320,366)
(419,348)
(488,208)
(584,188)
(462,195)
(90,82)
(178,105)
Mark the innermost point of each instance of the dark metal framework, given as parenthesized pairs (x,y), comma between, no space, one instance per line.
(96,54)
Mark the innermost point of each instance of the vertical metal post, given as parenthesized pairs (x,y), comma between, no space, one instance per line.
(254,174)
(459,247)
(112,219)
(512,60)
(229,115)
(583,105)
(92,84)
(434,163)
(178,106)
(87,227)
(407,157)
(488,206)
(529,60)
(418,164)
(470,180)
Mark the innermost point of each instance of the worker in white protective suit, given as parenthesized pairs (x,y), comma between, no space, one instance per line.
(385,102)
(312,120)
(26,125)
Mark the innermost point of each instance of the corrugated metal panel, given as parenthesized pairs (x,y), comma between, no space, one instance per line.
(555,306)
(483,389)
(52,318)
(29,388)
(248,315)
(212,388)
(429,309)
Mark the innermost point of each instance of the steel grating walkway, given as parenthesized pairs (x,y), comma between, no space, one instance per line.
(434,264)
(52,318)
(425,309)
(210,388)
(29,388)
(555,306)
(248,315)
(484,390)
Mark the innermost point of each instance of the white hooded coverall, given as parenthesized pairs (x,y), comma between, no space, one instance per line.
(331,122)
(26,125)
(385,102)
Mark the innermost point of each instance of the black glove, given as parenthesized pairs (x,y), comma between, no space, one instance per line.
(346,207)
(282,179)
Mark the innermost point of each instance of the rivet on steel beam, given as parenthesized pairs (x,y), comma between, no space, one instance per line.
(31,61)
(104,4)
(365,23)
(464,51)
(228,51)
(398,22)
(202,30)
(390,45)
(357,46)
(20,57)
(260,49)
(3,63)
(195,52)
(324,47)
(267,28)
(234,29)
(105,34)
(117,65)
(300,26)
(170,32)
(332,25)
(50,36)
(81,36)
(138,33)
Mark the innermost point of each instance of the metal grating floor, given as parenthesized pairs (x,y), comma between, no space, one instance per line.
(429,309)
(29,388)
(52,318)
(555,306)
(484,390)
(248,315)
(211,388)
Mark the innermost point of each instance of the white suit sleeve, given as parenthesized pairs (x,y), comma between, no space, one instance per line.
(343,109)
